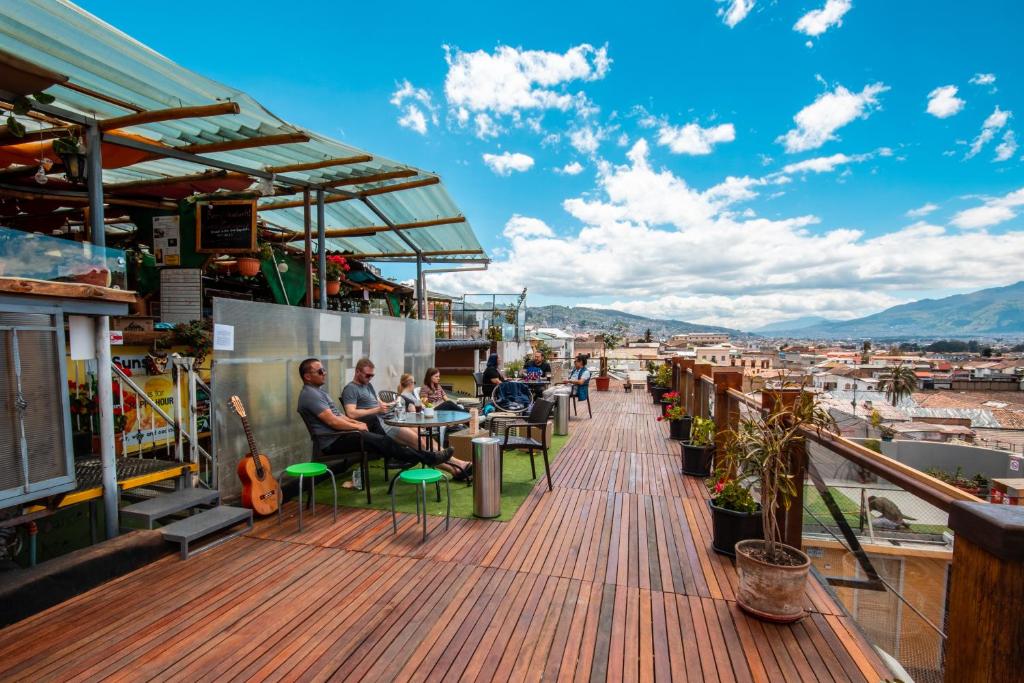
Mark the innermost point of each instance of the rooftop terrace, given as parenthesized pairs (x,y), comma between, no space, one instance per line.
(611,575)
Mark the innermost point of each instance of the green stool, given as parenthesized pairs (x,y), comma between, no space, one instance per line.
(311,470)
(421,478)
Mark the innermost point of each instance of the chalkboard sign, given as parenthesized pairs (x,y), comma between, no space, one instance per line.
(226,227)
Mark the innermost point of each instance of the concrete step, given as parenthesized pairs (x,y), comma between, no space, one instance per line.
(193,528)
(149,511)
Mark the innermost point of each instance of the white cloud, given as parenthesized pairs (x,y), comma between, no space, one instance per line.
(943,102)
(816,22)
(417,106)
(572,168)
(735,11)
(485,126)
(995,122)
(983,79)
(507,162)
(1007,148)
(827,164)
(922,210)
(512,80)
(524,226)
(623,140)
(693,139)
(587,139)
(830,111)
(993,212)
(739,270)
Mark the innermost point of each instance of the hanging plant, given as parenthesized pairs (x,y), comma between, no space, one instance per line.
(21,106)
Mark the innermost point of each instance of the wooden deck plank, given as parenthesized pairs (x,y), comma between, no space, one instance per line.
(609,576)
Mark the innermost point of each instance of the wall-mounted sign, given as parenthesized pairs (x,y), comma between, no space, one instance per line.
(226,227)
(167,240)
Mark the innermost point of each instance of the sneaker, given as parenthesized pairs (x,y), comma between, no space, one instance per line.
(434,458)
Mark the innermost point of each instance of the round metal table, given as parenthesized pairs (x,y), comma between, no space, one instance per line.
(425,426)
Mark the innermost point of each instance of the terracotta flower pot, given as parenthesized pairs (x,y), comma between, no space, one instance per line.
(247,267)
(697,460)
(729,527)
(770,591)
(333,287)
(602,383)
(680,429)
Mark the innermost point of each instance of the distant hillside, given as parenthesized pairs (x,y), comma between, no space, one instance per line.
(998,311)
(580,319)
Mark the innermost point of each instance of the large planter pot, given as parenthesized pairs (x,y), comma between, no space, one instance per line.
(333,287)
(602,383)
(680,429)
(657,393)
(697,460)
(248,267)
(769,591)
(730,527)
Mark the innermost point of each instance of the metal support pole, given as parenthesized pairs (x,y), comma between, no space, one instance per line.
(179,446)
(307,223)
(108,462)
(421,301)
(321,245)
(104,375)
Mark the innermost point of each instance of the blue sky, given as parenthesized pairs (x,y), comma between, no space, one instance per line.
(739,162)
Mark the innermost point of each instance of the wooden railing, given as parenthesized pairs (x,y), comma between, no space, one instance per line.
(983,627)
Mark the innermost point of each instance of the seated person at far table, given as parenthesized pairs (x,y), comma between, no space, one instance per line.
(433,392)
(492,375)
(537,363)
(578,378)
(407,393)
(325,421)
(360,402)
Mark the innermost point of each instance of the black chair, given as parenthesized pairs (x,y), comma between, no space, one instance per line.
(387,396)
(574,397)
(318,455)
(478,377)
(537,419)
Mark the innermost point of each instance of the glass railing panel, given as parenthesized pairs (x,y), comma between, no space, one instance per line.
(886,555)
(41,257)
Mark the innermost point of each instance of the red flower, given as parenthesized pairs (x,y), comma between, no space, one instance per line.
(660,418)
(719,486)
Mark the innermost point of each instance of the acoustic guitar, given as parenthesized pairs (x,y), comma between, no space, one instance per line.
(259,488)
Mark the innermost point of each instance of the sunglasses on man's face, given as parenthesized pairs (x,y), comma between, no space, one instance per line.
(319,371)
(368,375)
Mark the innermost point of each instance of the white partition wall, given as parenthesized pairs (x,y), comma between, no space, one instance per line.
(257,351)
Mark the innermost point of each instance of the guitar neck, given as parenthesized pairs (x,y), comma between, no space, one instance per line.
(252,443)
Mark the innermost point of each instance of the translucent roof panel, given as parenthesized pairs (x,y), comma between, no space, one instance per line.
(125,76)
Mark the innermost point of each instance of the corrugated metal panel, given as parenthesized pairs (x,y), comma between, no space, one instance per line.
(93,54)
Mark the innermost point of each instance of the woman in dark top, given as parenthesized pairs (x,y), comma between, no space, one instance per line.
(492,375)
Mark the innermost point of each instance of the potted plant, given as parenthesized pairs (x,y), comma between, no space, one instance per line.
(773,575)
(651,369)
(735,515)
(662,383)
(337,266)
(699,451)
(668,399)
(679,423)
(513,368)
(610,340)
(248,266)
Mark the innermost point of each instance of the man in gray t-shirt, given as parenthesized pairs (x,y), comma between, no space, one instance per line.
(360,401)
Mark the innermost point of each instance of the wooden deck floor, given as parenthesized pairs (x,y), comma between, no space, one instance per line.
(609,577)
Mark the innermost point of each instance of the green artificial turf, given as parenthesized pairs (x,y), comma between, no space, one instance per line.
(518,485)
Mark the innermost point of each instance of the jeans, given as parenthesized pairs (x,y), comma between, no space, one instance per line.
(377,446)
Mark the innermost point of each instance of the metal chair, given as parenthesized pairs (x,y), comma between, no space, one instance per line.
(387,396)
(318,455)
(574,397)
(537,419)
(478,377)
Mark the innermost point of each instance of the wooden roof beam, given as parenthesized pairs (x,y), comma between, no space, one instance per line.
(373,178)
(397,187)
(152,116)
(367,231)
(411,254)
(244,143)
(209,174)
(326,163)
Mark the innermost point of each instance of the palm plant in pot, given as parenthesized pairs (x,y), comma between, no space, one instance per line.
(773,575)
(674,412)
(735,515)
(699,451)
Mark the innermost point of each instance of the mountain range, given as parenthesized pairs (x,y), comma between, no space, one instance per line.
(582,319)
(994,312)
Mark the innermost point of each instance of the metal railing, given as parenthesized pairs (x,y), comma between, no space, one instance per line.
(875,529)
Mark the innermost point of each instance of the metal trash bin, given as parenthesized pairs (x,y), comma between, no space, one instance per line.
(486,477)
(562,414)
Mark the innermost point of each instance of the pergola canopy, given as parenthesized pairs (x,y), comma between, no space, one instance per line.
(111,75)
